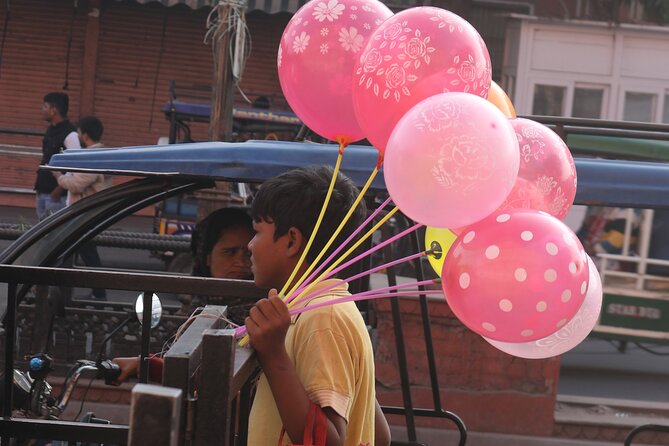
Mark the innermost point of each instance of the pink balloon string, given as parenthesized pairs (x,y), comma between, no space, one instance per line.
(361,296)
(327,261)
(369,252)
(363,274)
(367,295)
(400,286)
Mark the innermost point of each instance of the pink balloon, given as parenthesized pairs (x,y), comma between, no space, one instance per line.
(316,57)
(517,276)
(547,175)
(415,54)
(451,160)
(567,337)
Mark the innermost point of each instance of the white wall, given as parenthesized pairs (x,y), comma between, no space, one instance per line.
(624,62)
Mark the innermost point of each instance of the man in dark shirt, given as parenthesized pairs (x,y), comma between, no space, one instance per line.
(60,134)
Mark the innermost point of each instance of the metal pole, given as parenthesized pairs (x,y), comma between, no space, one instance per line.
(401,350)
(10,332)
(147,301)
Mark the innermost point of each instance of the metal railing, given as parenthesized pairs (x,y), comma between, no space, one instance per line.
(14,276)
(116,239)
(204,358)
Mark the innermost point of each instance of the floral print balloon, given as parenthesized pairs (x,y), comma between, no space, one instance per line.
(451,160)
(415,54)
(547,175)
(317,53)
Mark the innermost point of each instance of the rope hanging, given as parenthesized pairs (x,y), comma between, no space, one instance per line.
(156,76)
(75,6)
(239,36)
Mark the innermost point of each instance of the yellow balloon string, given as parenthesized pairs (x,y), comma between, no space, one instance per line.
(342,146)
(343,257)
(318,224)
(362,193)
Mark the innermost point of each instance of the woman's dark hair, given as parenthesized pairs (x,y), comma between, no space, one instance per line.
(295,198)
(209,230)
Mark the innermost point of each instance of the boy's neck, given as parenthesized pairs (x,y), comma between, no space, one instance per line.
(298,275)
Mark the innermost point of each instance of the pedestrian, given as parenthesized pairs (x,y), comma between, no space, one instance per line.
(59,135)
(79,185)
(321,361)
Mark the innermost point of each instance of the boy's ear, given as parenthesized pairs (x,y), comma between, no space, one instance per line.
(296,242)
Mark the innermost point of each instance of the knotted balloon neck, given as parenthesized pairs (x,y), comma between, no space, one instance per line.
(343,141)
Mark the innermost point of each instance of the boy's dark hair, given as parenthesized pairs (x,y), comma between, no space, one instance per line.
(295,198)
(209,230)
(91,126)
(60,101)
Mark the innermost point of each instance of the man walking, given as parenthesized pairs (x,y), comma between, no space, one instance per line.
(60,134)
(79,185)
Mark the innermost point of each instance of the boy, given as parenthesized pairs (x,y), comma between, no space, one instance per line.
(322,356)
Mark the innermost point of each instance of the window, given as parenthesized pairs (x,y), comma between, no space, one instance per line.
(665,112)
(639,107)
(587,103)
(548,100)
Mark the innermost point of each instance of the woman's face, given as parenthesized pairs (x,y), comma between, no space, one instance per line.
(230,258)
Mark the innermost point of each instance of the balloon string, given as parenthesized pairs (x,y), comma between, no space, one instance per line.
(332,270)
(335,268)
(318,221)
(239,331)
(400,286)
(335,172)
(362,274)
(337,251)
(337,231)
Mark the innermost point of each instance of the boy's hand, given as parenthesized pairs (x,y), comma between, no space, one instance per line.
(267,325)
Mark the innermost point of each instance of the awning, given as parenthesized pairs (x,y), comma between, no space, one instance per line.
(269,6)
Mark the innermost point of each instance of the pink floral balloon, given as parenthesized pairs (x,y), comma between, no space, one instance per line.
(317,54)
(517,276)
(567,337)
(451,160)
(547,175)
(415,54)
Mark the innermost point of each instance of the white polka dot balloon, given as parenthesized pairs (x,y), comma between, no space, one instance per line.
(567,337)
(516,276)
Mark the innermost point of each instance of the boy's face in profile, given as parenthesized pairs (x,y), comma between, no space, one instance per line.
(268,256)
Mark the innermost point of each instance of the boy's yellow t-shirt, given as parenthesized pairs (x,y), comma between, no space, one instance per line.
(332,354)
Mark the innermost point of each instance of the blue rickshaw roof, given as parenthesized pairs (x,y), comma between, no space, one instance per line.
(619,183)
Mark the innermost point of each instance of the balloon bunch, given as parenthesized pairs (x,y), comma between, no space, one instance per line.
(490,187)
